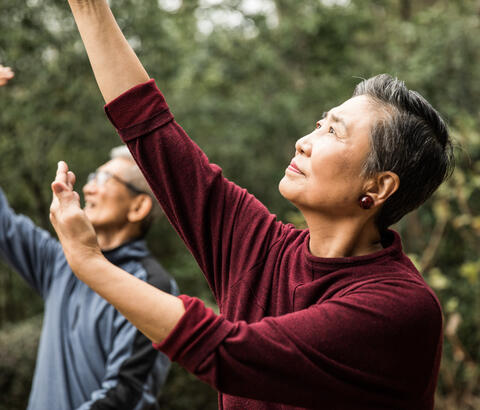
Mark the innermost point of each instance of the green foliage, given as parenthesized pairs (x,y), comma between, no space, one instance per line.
(245,91)
(184,392)
(18,347)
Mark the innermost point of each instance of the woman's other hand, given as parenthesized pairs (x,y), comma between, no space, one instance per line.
(74,230)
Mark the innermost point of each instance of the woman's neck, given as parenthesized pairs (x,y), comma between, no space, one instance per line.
(335,238)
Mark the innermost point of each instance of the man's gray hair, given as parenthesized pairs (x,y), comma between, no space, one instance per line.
(135,177)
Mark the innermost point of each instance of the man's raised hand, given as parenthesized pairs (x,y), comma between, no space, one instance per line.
(6,74)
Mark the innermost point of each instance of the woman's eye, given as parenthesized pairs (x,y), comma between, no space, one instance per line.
(318,125)
(331,130)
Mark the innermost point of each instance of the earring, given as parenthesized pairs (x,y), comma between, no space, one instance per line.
(366,202)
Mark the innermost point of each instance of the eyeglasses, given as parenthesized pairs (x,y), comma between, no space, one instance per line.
(101,177)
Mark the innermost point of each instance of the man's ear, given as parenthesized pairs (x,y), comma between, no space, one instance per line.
(139,208)
(382,186)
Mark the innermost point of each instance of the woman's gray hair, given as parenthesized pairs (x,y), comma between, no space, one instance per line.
(411,139)
(134,176)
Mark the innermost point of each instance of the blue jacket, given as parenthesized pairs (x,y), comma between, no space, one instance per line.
(90,356)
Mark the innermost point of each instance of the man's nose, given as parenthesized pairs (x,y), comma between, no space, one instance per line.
(90,187)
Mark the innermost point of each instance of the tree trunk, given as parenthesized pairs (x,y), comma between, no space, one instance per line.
(406,9)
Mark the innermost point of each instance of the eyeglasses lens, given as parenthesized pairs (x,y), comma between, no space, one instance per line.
(99,177)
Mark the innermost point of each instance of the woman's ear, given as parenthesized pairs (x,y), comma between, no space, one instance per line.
(139,208)
(382,186)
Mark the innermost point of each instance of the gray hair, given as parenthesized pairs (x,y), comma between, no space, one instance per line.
(134,176)
(411,139)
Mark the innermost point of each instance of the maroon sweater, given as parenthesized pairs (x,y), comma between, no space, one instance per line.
(326,333)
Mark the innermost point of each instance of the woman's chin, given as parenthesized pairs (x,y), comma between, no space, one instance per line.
(286,190)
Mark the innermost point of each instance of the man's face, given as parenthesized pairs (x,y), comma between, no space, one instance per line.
(107,199)
(326,173)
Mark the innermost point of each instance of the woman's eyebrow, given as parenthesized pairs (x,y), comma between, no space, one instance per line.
(339,120)
(336,119)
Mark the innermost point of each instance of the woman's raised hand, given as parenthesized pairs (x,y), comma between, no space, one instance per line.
(74,230)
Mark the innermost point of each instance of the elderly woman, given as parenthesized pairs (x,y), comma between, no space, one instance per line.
(331,317)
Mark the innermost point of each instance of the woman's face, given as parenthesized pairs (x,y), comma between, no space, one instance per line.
(325,176)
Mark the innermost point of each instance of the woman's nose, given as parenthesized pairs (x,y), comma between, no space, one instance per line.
(303,145)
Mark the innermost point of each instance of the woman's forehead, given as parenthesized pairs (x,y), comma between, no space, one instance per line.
(359,105)
(356,113)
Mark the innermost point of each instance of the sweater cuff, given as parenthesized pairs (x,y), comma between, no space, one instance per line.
(138,111)
(196,335)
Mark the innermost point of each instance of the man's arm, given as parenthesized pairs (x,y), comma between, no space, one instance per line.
(30,250)
(114,63)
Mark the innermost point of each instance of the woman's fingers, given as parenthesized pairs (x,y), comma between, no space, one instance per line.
(66,201)
(73,228)
(62,172)
(71,179)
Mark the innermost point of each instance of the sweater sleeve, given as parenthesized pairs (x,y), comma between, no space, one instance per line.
(227,229)
(30,250)
(304,357)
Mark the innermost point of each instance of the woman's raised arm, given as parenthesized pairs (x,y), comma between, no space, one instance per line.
(114,63)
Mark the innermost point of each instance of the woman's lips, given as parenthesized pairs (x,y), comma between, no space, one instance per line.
(293,167)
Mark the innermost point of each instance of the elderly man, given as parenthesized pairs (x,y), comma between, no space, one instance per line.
(90,356)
